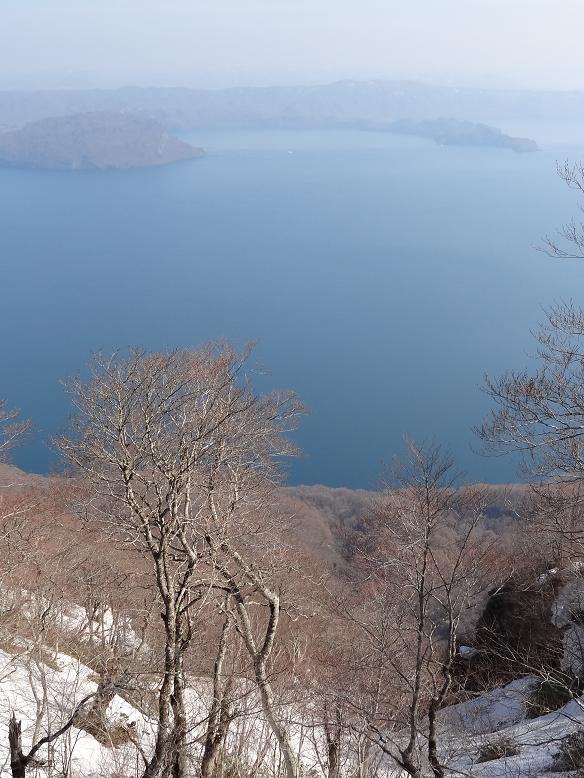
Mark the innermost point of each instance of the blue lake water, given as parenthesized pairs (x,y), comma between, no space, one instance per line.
(380,276)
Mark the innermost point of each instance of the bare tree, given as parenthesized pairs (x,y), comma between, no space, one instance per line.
(12,429)
(221,710)
(569,241)
(19,761)
(335,696)
(179,454)
(422,570)
(541,413)
(256,609)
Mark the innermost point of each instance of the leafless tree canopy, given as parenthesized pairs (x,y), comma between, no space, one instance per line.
(181,455)
(12,429)
(569,241)
(541,412)
(422,570)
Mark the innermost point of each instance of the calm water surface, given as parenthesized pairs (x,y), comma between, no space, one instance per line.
(380,276)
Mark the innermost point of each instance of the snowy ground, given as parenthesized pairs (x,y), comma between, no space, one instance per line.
(66,683)
(500,717)
(467,730)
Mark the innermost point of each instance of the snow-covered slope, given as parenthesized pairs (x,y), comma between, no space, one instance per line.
(489,736)
(497,721)
(48,692)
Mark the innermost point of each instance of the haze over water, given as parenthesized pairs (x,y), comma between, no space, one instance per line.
(381,277)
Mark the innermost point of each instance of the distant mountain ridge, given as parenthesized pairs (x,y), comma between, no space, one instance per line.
(96,140)
(343,103)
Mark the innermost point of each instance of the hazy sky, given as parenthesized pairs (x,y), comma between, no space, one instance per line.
(225,42)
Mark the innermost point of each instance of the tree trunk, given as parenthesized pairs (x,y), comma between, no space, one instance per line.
(267,699)
(209,759)
(17,758)
(260,659)
(435,764)
(411,768)
(332,731)
(333,759)
(179,729)
(219,720)
(158,765)
(95,720)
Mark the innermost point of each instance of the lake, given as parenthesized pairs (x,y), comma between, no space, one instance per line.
(380,276)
